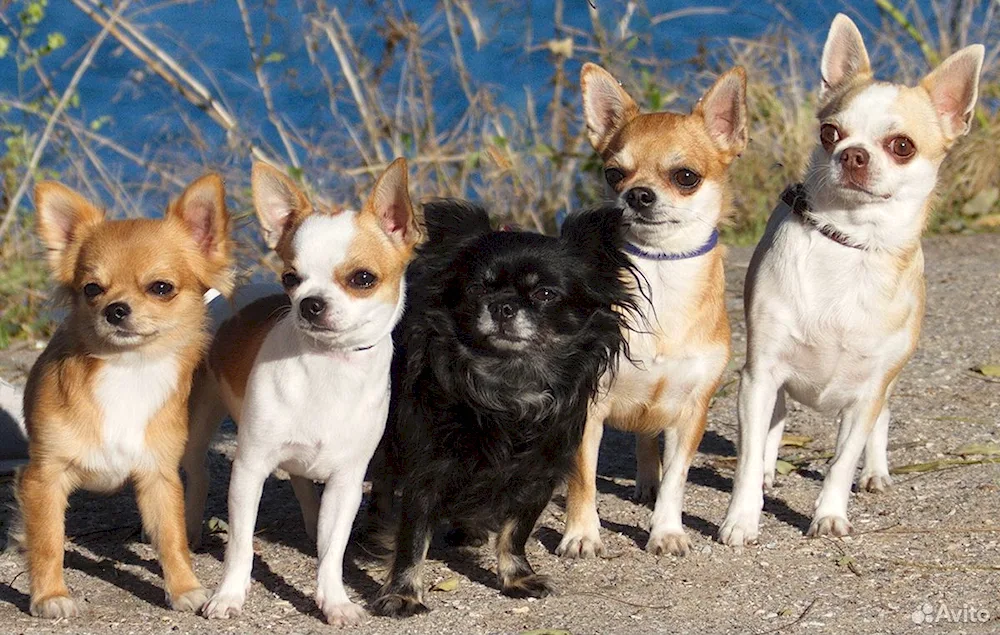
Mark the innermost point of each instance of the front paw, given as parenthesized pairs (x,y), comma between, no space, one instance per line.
(738,530)
(675,543)
(223,606)
(577,544)
(399,605)
(343,613)
(836,526)
(190,601)
(875,483)
(646,491)
(530,586)
(55,607)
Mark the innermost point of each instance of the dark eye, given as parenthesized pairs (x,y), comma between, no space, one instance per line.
(686,179)
(544,295)
(614,176)
(475,290)
(902,148)
(161,288)
(92,289)
(829,135)
(290,280)
(363,279)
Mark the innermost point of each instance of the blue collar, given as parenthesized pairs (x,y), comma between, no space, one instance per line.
(709,245)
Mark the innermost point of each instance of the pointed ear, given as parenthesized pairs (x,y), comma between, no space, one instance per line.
(598,231)
(202,210)
(606,105)
(954,88)
(450,220)
(280,204)
(63,216)
(390,204)
(724,109)
(844,55)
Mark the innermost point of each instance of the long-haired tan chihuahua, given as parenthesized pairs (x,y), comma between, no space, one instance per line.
(107,401)
(835,291)
(671,172)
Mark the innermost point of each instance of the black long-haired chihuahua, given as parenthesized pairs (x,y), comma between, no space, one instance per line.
(502,348)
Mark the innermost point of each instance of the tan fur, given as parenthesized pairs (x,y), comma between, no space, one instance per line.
(64,419)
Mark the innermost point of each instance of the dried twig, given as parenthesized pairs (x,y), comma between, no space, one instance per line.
(36,156)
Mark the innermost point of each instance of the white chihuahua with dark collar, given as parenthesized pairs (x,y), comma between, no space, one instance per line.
(835,291)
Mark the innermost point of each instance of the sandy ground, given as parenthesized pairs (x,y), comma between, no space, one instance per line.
(928,546)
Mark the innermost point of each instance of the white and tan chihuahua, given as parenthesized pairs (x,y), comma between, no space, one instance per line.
(306,375)
(671,171)
(835,291)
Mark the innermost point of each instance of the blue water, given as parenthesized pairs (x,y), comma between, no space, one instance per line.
(144,115)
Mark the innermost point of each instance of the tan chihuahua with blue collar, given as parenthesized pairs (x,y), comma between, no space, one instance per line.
(671,172)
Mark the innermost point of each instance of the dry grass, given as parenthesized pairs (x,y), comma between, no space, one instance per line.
(528,168)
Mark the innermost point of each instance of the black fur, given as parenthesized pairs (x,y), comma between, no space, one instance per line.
(480,434)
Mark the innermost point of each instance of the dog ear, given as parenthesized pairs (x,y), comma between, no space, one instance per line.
(279,203)
(845,57)
(202,210)
(724,109)
(451,220)
(390,204)
(62,218)
(606,105)
(954,89)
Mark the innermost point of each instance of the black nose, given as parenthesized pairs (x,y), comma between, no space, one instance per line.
(503,311)
(116,312)
(640,198)
(312,307)
(854,158)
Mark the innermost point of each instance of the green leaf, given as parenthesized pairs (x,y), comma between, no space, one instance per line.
(977,449)
(56,40)
(275,57)
(4,45)
(446,586)
(988,370)
(100,122)
(783,467)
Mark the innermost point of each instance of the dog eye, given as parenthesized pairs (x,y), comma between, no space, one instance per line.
(544,295)
(829,135)
(902,148)
(686,179)
(614,176)
(92,289)
(161,288)
(475,290)
(363,279)
(290,280)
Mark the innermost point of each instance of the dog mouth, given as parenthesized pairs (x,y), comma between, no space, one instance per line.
(508,342)
(642,220)
(130,335)
(854,187)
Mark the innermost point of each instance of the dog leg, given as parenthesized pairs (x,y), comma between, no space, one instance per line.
(402,594)
(245,488)
(830,518)
(774,435)
(160,496)
(341,500)
(207,411)
(517,578)
(305,492)
(667,533)
(583,526)
(756,400)
(647,470)
(43,495)
(875,471)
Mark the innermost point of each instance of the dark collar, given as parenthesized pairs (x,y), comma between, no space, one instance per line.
(797,199)
(709,245)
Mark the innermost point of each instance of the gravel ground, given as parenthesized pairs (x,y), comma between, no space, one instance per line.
(930,544)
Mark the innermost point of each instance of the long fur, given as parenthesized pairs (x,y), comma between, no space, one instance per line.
(482,438)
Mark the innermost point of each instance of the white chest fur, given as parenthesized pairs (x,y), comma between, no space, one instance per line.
(129,390)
